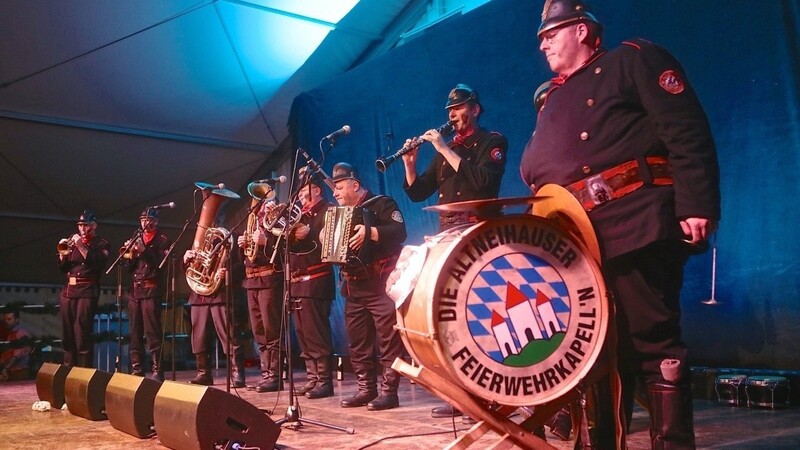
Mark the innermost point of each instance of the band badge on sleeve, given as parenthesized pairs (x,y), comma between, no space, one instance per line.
(671,82)
(397,216)
(496,155)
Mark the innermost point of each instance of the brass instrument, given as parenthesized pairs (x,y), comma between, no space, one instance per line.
(382,163)
(277,219)
(202,273)
(65,245)
(260,192)
(132,250)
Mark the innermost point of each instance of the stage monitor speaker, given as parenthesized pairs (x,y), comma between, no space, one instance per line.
(50,383)
(198,417)
(85,392)
(129,404)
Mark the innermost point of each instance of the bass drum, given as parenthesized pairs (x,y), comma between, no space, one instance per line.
(513,309)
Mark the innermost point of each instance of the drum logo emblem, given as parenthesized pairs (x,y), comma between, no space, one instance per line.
(521,309)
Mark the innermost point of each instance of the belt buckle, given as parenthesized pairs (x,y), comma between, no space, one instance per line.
(599,191)
(72,281)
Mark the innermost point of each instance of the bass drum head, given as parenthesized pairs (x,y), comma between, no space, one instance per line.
(514,310)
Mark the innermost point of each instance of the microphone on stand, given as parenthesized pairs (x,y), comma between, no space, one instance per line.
(316,168)
(273,181)
(165,205)
(341,131)
(202,185)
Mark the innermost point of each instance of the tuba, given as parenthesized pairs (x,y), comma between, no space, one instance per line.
(260,192)
(210,253)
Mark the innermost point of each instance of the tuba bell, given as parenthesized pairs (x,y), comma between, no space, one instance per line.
(202,273)
(260,192)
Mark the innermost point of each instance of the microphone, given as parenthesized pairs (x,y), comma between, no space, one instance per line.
(203,185)
(273,181)
(165,205)
(344,130)
(316,168)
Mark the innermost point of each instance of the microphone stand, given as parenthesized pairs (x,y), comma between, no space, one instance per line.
(136,235)
(293,414)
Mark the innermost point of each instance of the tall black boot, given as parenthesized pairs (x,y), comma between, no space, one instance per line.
(599,418)
(671,417)
(311,377)
(367,389)
(388,396)
(136,363)
(237,370)
(203,376)
(271,378)
(158,371)
(324,387)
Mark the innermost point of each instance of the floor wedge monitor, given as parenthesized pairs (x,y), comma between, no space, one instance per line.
(199,417)
(50,383)
(129,404)
(85,392)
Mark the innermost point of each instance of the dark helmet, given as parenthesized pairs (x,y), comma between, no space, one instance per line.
(149,213)
(313,178)
(460,95)
(559,13)
(344,171)
(87,216)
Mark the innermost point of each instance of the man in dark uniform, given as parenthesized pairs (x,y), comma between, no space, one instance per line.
(264,285)
(369,313)
(312,290)
(144,301)
(469,167)
(209,311)
(83,258)
(624,131)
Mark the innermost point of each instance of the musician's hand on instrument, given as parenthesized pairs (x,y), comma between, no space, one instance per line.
(301,231)
(411,156)
(259,237)
(240,241)
(220,273)
(357,239)
(697,229)
(188,256)
(435,138)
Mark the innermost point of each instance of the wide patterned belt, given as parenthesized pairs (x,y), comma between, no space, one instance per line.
(621,180)
(259,271)
(73,281)
(145,284)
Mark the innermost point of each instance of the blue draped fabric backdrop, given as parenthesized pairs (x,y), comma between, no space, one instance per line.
(747,74)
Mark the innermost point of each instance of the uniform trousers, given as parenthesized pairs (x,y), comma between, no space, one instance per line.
(203,318)
(144,315)
(370,317)
(265,307)
(77,315)
(313,327)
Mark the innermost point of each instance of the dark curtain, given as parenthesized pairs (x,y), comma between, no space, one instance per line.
(743,59)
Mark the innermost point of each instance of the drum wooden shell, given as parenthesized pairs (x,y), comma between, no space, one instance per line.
(514,309)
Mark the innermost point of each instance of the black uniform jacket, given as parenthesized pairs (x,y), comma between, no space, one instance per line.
(483,161)
(387,218)
(147,281)
(623,105)
(264,260)
(86,271)
(310,278)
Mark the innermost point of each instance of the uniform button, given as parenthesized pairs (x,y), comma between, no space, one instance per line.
(585,136)
(441,195)
(590,102)
(597,70)
(586,169)
(458,194)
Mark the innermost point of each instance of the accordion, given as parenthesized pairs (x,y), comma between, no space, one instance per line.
(340,222)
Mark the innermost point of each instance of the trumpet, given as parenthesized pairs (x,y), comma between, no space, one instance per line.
(382,163)
(65,245)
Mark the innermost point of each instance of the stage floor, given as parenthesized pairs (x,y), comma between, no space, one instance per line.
(407,427)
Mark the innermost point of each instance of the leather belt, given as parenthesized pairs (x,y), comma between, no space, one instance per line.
(259,271)
(375,268)
(145,284)
(311,272)
(621,180)
(72,281)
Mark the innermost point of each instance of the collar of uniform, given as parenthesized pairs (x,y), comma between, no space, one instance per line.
(367,195)
(469,140)
(559,80)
